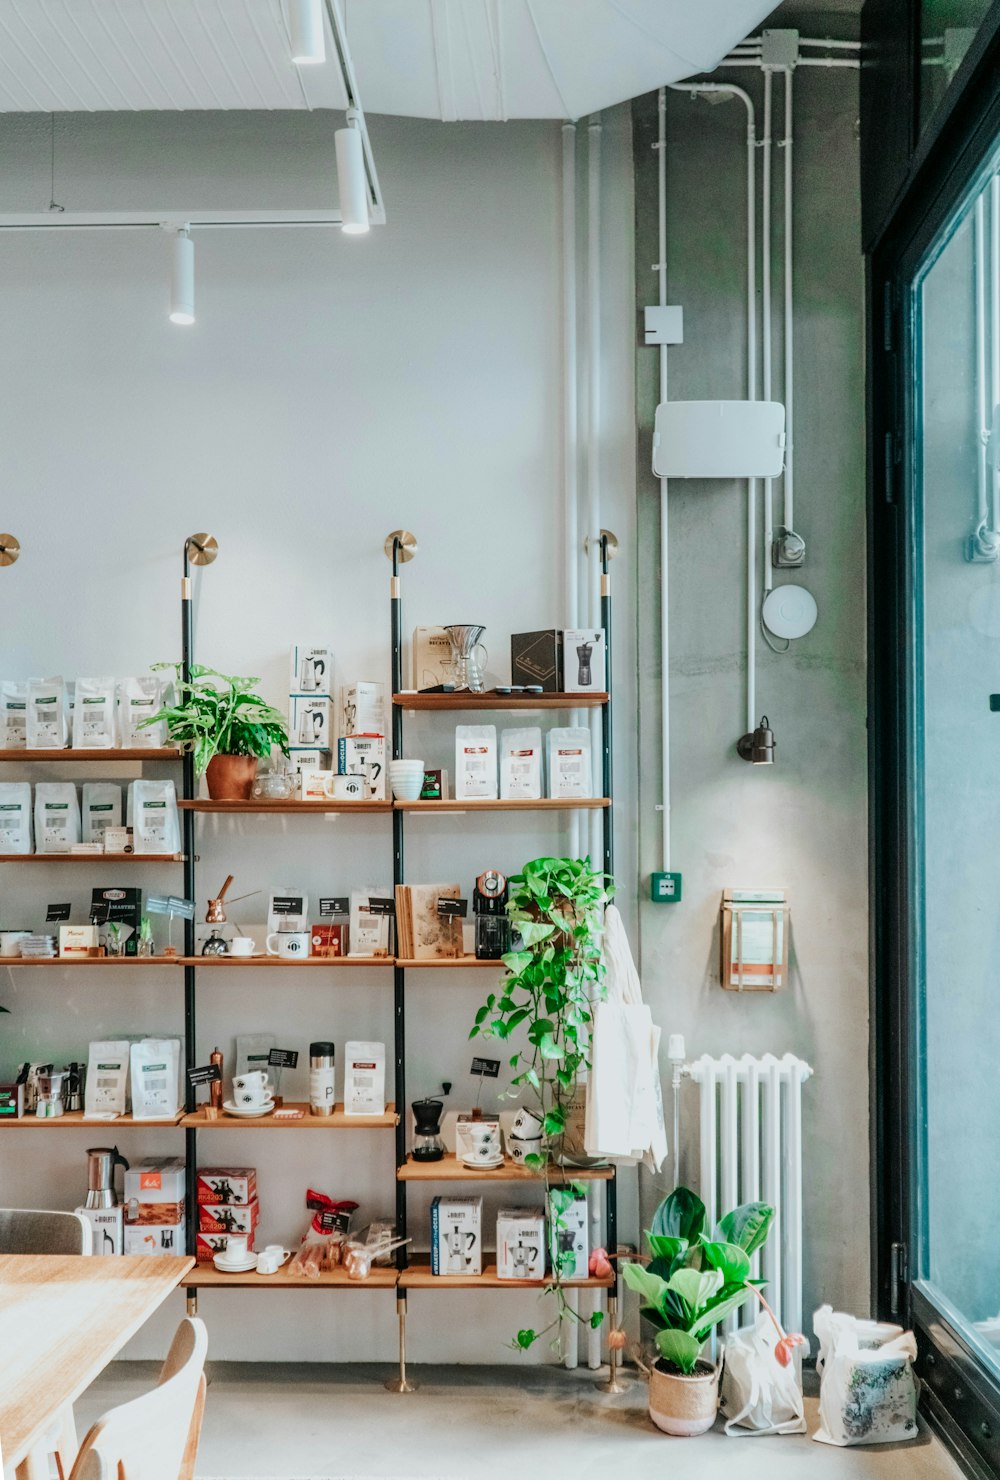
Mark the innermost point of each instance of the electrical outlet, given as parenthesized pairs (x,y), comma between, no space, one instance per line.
(665,888)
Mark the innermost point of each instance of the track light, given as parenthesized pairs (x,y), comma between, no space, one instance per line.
(351,177)
(758,747)
(308,39)
(182,279)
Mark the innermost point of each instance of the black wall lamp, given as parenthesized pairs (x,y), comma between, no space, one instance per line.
(757,747)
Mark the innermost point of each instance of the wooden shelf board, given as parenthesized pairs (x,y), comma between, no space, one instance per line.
(545,804)
(419,1277)
(169,753)
(207,1277)
(289,807)
(75,1120)
(92,858)
(233,962)
(449,962)
(106,961)
(450,1169)
(338,1121)
(466,700)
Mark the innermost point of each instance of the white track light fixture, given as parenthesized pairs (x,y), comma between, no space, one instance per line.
(351,177)
(306,26)
(182,279)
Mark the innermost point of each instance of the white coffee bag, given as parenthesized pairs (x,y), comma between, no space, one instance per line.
(369,932)
(57,816)
(94,726)
(13,715)
(521,764)
(364,1079)
(139,699)
(15,816)
(46,725)
(475,762)
(152,816)
(155,1079)
(102,807)
(106,1091)
(571,770)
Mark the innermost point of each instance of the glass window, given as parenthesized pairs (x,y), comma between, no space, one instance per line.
(947,28)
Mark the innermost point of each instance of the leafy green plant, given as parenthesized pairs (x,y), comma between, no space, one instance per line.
(215,714)
(693,1281)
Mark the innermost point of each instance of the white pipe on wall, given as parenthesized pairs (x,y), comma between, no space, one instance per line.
(981,423)
(661,272)
(766,309)
(595,132)
(789,485)
(571,490)
(994,334)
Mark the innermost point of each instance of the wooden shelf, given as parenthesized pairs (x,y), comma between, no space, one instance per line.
(207,1277)
(419,1277)
(71,964)
(169,753)
(92,858)
(544,804)
(338,1121)
(449,962)
(318,962)
(288,807)
(450,1169)
(466,700)
(75,1120)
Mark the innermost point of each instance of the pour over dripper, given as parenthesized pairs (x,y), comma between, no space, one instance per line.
(466,666)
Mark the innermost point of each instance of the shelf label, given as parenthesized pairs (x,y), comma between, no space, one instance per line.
(205,1074)
(58,912)
(339,904)
(283,1058)
(169,904)
(459,907)
(381,906)
(287,904)
(485,1068)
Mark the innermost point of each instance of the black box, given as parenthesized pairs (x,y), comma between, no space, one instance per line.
(536,658)
(119,907)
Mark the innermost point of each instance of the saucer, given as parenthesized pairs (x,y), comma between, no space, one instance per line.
(483,1166)
(232,1267)
(249,1112)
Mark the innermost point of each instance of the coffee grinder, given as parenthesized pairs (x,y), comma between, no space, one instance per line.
(489,905)
(427,1142)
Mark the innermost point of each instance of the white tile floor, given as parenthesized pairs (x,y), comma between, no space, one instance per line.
(479,1423)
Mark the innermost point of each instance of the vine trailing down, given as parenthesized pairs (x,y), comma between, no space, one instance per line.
(554,978)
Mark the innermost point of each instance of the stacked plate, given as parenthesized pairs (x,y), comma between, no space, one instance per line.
(406,779)
(249,1112)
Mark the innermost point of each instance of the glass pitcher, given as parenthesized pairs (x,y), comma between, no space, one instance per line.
(466,664)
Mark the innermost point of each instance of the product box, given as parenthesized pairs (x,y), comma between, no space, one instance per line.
(584,661)
(153,1182)
(118,840)
(435,787)
(521,1244)
(457,1235)
(431,657)
(310,670)
(309,758)
(11,1101)
(329,940)
(469,1129)
(536,658)
(310,721)
(359,755)
(229,1217)
(107,1228)
(76,940)
(314,784)
(207,1245)
(119,907)
(154,1238)
(569,1239)
(362,708)
(364,1078)
(226,1185)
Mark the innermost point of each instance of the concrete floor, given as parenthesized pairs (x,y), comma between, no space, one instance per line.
(478,1423)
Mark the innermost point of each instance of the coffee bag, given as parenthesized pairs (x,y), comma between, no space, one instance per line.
(13,715)
(46,725)
(521,764)
(475,762)
(57,816)
(94,726)
(102,807)
(152,816)
(138,700)
(15,816)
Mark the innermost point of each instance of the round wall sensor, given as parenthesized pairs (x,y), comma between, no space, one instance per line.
(790,611)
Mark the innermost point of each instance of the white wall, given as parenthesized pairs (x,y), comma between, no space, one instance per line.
(333,389)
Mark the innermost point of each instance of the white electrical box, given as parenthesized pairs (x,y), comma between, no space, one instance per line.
(719,439)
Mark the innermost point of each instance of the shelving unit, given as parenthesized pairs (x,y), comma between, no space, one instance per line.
(499,702)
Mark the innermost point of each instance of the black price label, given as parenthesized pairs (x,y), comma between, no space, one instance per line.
(333,1222)
(381,906)
(283,1058)
(287,904)
(205,1074)
(458,907)
(485,1068)
(58,912)
(338,905)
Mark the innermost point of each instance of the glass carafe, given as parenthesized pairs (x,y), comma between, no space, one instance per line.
(466,662)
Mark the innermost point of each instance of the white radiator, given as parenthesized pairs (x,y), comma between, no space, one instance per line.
(751,1151)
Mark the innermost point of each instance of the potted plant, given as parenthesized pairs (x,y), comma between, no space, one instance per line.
(225,725)
(691,1283)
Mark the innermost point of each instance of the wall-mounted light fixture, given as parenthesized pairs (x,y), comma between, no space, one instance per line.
(306,26)
(757,747)
(182,278)
(10,549)
(351,176)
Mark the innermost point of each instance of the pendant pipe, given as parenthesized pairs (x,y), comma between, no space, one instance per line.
(593,821)
(571,491)
(789,324)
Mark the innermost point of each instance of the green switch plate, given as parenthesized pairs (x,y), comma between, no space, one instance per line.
(665,888)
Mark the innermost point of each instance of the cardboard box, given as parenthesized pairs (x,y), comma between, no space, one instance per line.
(313,784)
(107,1228)
(435,787)
(521,1244)
(156,1239)
(310,670)
(569,1233)
(457,1236)
(229,1217)
(362,707)
(152,1215)
(226,1185)
(153,1191)
(309,758)
(329,940)
(431,657)
(207,1245)
(76,940)
(536,658)
(359,755)
(584,661)
(119,907)
(11,1101)
(310,721)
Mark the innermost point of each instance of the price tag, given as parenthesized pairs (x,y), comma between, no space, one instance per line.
(287,904)
(283,1058)
(485,1068)
(338,905)
(170,904)
(205,1074)
(458,907)
(58,912)
(381,906)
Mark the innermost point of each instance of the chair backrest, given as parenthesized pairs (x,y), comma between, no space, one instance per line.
(34,1231)
(153,1437)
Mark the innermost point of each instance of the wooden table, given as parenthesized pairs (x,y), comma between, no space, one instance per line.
(62,1319)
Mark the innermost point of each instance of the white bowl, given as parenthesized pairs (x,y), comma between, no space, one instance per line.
(407,788)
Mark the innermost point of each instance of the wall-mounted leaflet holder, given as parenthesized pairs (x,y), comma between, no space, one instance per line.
(755,931)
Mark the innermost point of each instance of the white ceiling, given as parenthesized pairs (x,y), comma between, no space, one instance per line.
(448,59)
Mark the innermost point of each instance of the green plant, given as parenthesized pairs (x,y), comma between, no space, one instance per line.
(210,720)
(693,1281)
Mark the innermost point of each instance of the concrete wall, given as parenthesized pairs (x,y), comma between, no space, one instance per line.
(333,389)
(802,823)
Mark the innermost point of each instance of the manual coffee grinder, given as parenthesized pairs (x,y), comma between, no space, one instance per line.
(427,1142)
(489,905)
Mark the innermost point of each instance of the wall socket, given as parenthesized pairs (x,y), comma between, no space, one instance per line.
(665,888)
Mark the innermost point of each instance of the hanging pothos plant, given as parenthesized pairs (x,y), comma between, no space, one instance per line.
(555,977)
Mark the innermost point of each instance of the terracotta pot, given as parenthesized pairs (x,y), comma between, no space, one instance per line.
(684,1405)
(231,777)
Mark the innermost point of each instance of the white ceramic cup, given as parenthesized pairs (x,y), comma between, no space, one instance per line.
(270,1260)
(236,1248)
(521,1146)
(252,1088)
(10,941)
(347,788)
(526,1124)
(241,945)
(406,779)
(291,945)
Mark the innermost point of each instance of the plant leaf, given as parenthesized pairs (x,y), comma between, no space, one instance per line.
(680,1348)
(696,1287)
(732,1261)
(746,1226)
(681,1215)
(649,1287)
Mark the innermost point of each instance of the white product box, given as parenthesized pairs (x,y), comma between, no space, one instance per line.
(76,940)
(309,758)
(156,1179)
(310,721)
(364,755)
(521,1244)
(431,656)
(364,1079)
(310,670)
(457,1235)
(106,1227)
(569,1240)
(314,784)
(118,840)
(362,707)
(584,661)
(154,1238)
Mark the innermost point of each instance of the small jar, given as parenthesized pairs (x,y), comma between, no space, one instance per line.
(322,1089)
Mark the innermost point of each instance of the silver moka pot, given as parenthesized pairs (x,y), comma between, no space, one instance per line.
(101,1163)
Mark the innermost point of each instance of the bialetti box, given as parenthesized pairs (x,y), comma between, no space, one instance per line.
(310,670)
(364,755)
(228,1217)
(536,658)
(569,1241)
(457,1235)
(226,1185)
(107,1227)
(521,1244)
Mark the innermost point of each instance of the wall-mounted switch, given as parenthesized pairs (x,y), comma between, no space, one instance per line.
(665,888)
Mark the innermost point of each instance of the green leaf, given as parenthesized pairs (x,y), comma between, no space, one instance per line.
(746,1226)
(695,1286)
(681,1215)
(549,1048)
(732,1262)
(554,1122)
(482,1015)
(534,1162)
(596,1319)
(526,1338)
(516,1018)
(716,1310)
(665,1248)
(649,1287)
(680,1348)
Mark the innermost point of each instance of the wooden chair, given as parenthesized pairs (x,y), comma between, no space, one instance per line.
(155,1436)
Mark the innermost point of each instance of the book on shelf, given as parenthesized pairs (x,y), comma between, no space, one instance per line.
(422,932)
